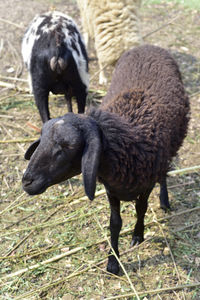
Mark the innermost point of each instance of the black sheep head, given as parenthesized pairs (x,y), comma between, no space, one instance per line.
(68,146)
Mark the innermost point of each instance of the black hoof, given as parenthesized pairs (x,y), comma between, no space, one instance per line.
(136,240)
(113,267)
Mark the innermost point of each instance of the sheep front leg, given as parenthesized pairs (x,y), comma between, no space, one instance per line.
(141,208)
(164,199)
(115,227)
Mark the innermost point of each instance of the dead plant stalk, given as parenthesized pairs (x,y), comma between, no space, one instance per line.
(158,291)
(43,263)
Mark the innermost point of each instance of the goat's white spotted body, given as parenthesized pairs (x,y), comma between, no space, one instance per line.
(29,39)
(56,58)
(47,23)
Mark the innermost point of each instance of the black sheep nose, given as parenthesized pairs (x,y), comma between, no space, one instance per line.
(26,180)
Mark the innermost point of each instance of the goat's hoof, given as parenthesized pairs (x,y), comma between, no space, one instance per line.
(164,207)
(113,268)
(136,240)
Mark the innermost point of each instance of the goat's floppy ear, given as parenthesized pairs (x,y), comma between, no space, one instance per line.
(90,159)
(31,149)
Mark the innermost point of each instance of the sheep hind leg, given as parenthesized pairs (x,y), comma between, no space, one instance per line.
(102,76)
(115,227)
(164,199)
(141,208)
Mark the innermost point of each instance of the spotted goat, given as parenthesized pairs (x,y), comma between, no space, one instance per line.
(55,56)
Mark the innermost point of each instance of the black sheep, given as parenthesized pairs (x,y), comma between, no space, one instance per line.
(56,59)
(128,143)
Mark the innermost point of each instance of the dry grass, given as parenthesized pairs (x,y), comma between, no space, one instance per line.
(55,245)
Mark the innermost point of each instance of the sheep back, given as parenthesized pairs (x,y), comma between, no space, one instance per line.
(114,25)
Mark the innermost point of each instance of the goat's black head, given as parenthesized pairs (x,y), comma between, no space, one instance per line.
(68,146)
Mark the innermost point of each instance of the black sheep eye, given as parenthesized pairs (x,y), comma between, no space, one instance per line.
(70,147)
(57,152)
(67,145)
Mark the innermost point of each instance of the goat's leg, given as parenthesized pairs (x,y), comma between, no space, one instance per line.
(81,101)
(115,227)
(69,101)
(164,199)
(41,99)
(79,91)
(41,91)
(141,208)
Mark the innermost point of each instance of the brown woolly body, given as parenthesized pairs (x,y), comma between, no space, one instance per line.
(143,119)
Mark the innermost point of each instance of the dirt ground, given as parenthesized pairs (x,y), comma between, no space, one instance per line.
(35,231)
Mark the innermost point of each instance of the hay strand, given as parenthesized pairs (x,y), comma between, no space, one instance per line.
(157,291)
(11,23)
(13,86)
(17,141)
(185,170)
(43,263)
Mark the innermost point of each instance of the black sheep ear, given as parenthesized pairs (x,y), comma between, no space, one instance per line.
(90,161)
(31,149)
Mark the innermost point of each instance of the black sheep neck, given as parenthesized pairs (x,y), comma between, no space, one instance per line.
(122,154)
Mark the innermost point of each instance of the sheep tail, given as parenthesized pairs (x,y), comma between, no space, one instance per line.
(58,64)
